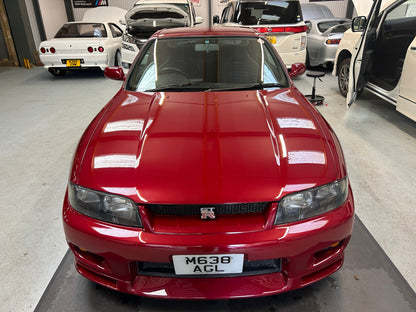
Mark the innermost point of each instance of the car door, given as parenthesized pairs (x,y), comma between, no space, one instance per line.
(406,102)
(396,26)
(362,52)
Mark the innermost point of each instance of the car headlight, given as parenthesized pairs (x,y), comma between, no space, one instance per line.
(127,38)
(104,206)
(312,202)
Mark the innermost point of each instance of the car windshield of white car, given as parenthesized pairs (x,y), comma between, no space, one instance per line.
(269,12)
(81,30)
(207,64)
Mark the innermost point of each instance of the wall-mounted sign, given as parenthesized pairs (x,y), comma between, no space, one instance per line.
(89,3)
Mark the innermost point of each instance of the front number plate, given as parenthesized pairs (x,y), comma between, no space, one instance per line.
(73,63)
(208,264)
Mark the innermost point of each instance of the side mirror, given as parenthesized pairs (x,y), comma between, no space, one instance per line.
(358,23)
(215,19)
(297,69)
(115,73)
(199,20)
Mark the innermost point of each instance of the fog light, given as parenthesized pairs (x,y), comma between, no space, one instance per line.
(334,245)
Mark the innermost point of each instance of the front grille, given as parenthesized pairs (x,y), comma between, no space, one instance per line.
(257,267)
(195,210)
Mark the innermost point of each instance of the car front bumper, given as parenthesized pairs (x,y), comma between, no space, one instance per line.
(110,255)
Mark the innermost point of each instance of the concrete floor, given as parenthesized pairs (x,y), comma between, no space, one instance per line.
(42,118)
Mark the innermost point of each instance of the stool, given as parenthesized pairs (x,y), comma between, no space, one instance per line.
(313,98)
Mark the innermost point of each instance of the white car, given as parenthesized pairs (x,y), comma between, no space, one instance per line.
(380,50)
(280,21)
(93,42)
(148,16)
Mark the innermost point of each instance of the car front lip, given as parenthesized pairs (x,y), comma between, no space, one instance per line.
(108,255)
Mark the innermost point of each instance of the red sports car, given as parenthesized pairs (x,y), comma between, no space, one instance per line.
(208,175)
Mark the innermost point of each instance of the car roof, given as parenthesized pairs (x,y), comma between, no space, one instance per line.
(313,11)
(200,31)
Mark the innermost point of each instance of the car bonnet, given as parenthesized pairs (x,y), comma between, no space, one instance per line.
(209,147)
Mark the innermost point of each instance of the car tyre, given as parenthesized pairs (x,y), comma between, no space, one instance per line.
(343,76)
(57,71)
(117,59)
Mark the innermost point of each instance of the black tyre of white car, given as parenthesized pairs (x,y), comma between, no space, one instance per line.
(56,71)
(117,59)
(343,76)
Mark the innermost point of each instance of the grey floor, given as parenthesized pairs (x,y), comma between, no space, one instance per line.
(42,118)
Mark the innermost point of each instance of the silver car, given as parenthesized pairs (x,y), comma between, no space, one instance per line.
(324,33)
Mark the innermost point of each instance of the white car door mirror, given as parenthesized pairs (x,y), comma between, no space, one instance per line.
(358,23)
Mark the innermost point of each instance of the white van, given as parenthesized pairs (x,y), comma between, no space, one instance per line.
(148,16)
(380,50)
(280,21)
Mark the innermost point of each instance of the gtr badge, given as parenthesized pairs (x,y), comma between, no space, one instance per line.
(207,213)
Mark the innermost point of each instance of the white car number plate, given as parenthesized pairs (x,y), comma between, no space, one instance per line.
(208,264)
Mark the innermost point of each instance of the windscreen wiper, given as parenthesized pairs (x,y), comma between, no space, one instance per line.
(173,87)
(253,86)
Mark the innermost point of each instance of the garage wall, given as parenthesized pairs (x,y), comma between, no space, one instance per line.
(201,8)
(32,21)
(53,15)
(124,4)
(338,8)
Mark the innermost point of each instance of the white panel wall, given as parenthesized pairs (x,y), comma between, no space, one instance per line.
(124,4)
(53,15)
(33,23)
(217,7)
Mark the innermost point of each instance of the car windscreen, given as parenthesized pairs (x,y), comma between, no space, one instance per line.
(82,30)
(206,64)
(268,12)
(341,26)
